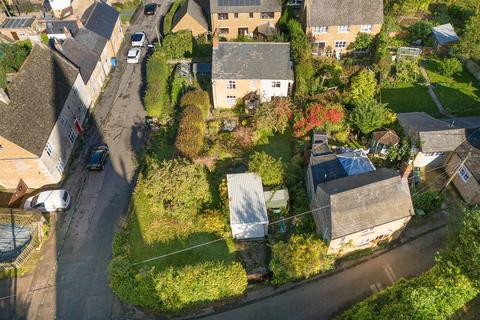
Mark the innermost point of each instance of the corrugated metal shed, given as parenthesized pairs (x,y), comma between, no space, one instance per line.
(246,199)
(445,34)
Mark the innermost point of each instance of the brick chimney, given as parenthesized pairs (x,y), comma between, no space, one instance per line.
(79,23)
(406,170)
(67,32)
(215,39)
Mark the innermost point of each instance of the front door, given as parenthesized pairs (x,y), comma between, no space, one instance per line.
(242,31)
(15,36)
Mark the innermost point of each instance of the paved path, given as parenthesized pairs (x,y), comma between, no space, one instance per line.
(70,280)
(432,93)
(327,297)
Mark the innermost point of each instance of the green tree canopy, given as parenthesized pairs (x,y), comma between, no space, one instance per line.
(271,170)
(369,115)
(362,41)
(469,45)
(363,86)
(273,116)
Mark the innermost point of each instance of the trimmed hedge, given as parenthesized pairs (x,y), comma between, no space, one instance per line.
(157,100)
(168,19)
(191,131)
(198,98)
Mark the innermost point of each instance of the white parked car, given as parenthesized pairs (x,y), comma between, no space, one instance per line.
(138,39)
(133,55)
(51,200)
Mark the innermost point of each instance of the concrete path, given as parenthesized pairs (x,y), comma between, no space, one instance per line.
(327,297)
(435,99)
(71,279)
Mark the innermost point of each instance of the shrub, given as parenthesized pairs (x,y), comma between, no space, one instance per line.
(214,222)
(362,41)
(469,45)
(198,98)
(271,170)
(177,86)
(204,282)
(319,116)
(273,116)
(178,45)
(300,257)
(407,71)
(245,136)
(168,19)
(157,100)
(450,66)
(363,86)
(191,132)
(369,115)
(421,30)
(428,201)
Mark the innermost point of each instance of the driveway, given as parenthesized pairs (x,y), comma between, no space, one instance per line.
(71,279)
(327,297)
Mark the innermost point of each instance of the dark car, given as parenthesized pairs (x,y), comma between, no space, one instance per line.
(98,158)
(150,9)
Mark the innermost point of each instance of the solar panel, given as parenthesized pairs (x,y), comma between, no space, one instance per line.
(237,3)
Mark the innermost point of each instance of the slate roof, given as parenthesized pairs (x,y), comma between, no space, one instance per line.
(17,22)
(81,56)
(57,26)
(325,168)
(91,40)
(386,137)
(246,199)
(38,94)
(471,144)
(194,10)
(266,60)
(445,34)
(367,200)
(430,134)
(242,6)
(100,18)
(344,12)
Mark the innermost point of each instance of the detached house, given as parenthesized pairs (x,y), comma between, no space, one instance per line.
(231,18)
(241,68)
(190,16)
(41,119)
(333,25)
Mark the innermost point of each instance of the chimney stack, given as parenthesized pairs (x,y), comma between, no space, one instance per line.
(79,23)
(215,39)
(406,170)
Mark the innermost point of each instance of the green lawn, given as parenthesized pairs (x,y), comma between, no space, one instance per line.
(407,97)
(276,145)
(460,95)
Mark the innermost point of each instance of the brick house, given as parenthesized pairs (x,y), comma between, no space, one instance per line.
(190,16)
(41,118)
(231,18)
(333,25)
(241,68)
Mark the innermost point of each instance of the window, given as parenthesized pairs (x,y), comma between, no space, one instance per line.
(343,29)
(63,121)
(21,34)
(72,135)
(59,166)
(364,242)
(319,30)
(75,92)
(318,47)
(235,15)
(231,84)
(223,31)
(222,16)
(250,15)
(253,86)
(434,154)
(366,28)
(275,84)
(49,149)
(464,173)
(231,100)
(342,240)
(340,44)
(266,15)
(243,31)
(367,231)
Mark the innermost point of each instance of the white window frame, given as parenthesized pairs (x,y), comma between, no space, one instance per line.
(222,16)
(368,231)
(267,15)
(464,174)
(319,29)
(231,85)
(231,100)
(72,135)
(22,34)
(340,41)
(49,149)
(253,84)
(366,28)
(276,84)
(60,166)
(223,31)
(343,29)
(364,242)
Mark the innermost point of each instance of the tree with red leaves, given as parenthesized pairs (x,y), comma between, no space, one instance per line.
(319,116)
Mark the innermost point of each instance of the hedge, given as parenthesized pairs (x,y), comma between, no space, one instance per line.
(168,19)
(198,98)
(191,131)
(178,45)
(157,100)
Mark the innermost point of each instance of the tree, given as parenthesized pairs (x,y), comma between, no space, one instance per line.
(178,45)
(177,188)
(271,170)
(363,86)
(369,115)
(273,116)
(191,131)
(469,44)
(300,257)
(198,98)
(450,66)
(421,30)
(362,41)
(319,116)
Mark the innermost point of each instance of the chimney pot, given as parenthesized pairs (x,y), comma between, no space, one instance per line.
(215,39)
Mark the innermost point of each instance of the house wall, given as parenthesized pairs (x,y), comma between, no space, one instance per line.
(75,108)
(22,33)
(116,38)
(332,35)
(320,203)
(245,86)
(243,21)
(368,238)
(95,83)
(189,23)
(18,163)
(428,159)
(469,190)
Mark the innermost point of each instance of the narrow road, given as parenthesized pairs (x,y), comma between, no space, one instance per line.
(70,280)
(325,298)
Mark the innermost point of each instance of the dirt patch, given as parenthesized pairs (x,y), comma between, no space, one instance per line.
(255,256)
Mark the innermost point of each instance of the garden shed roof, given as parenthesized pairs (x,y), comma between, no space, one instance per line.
(445,34)
(276,199)
(386,137)
(367,200)
(246,199)
(266,60)
(345,12)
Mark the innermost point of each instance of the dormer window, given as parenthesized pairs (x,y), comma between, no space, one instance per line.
(343,29)
(319,29)
(267,15)
(222,16)
(366,28)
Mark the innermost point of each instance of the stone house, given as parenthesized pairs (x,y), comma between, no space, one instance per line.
(333,25)
(231,18)
(19,28)
(190,16)
(41,119)
(240,68)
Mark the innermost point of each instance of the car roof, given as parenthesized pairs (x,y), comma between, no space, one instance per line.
(96,156)
(50,194)
(150,5)
(139,33)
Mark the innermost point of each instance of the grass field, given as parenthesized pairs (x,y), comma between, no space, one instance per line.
(278,145)
(407,97)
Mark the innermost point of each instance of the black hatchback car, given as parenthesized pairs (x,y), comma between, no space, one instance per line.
(149,9)
(98,158)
